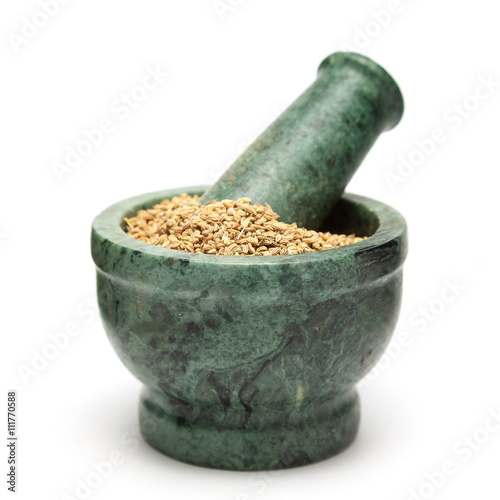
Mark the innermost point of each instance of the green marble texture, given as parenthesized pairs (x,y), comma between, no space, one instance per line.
(303,161)
(251,363)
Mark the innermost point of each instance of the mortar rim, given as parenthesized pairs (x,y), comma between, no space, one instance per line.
(106,230)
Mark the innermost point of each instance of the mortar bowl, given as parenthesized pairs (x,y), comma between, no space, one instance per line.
(250,363)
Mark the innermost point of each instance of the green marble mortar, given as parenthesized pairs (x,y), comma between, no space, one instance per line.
(251,363)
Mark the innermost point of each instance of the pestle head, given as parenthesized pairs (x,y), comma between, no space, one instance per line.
(303,161)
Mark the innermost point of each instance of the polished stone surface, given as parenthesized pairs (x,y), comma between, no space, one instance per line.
(302,162)
(251,363)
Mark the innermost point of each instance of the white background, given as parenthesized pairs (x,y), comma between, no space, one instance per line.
(230,71)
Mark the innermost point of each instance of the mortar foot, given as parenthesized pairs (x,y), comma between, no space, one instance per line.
(274,440)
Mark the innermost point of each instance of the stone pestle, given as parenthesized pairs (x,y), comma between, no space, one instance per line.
(303,161)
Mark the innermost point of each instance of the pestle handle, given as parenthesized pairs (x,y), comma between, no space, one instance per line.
(302,162)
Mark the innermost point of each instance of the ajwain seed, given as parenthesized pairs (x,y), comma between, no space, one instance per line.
(226,228)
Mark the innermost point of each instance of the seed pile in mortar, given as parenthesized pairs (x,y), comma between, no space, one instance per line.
(227,227)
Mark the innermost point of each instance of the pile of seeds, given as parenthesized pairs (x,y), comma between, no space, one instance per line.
(226,227)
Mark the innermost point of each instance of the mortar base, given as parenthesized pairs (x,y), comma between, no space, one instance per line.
(309,435)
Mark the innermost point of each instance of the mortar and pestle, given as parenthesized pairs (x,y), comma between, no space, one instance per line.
(251,362)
